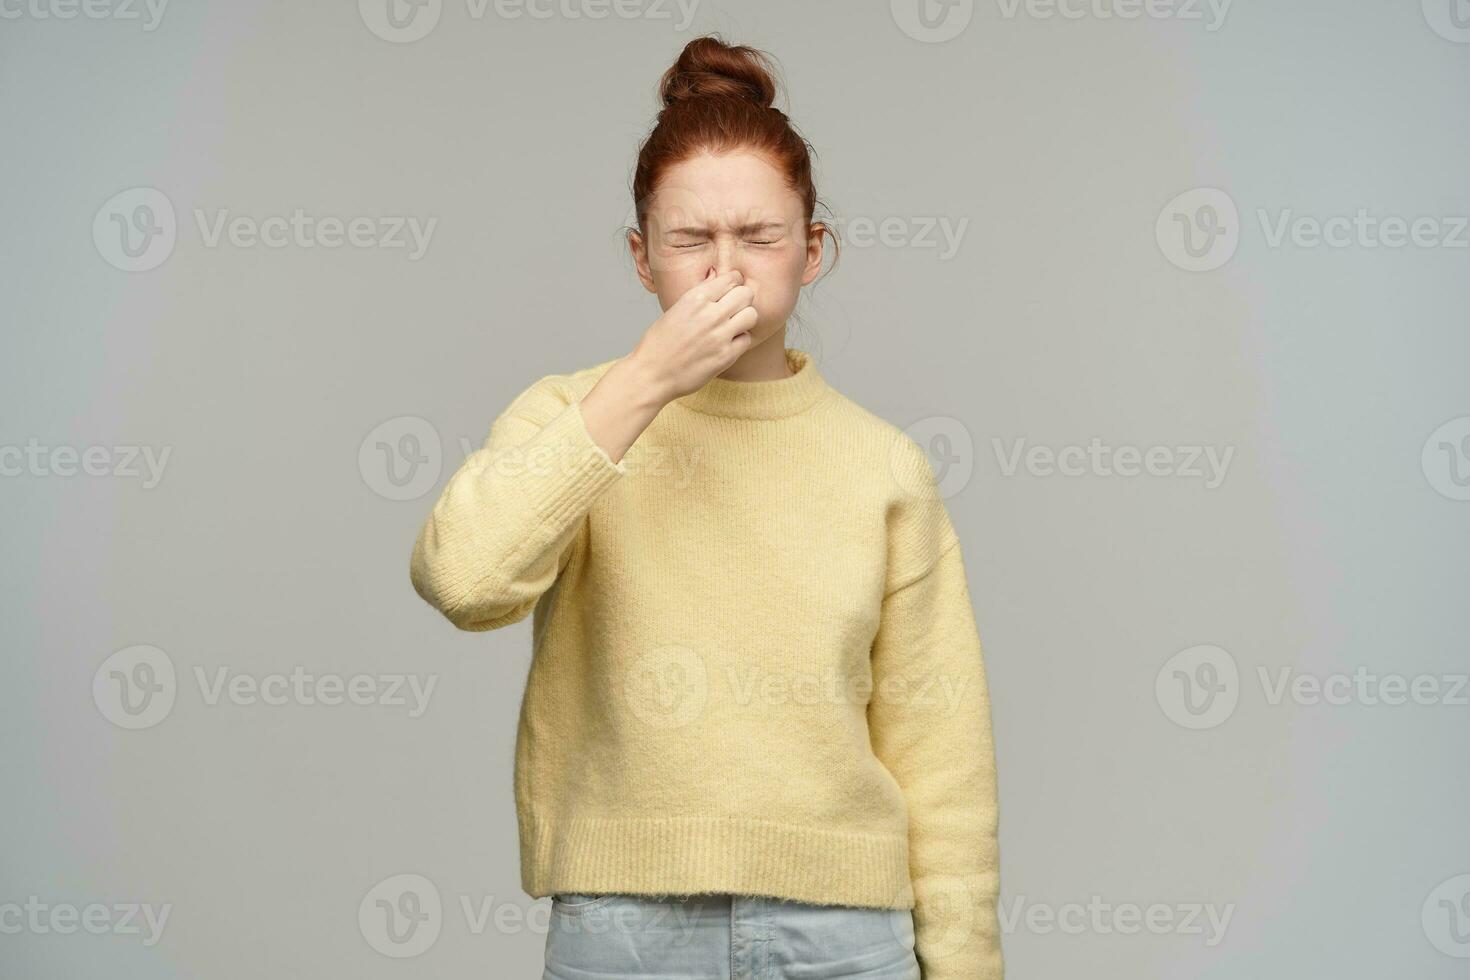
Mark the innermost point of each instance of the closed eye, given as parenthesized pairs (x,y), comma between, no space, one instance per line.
(750,241)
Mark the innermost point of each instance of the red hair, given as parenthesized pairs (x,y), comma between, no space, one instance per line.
(718,98)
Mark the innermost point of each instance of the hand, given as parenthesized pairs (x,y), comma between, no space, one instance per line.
(699,336)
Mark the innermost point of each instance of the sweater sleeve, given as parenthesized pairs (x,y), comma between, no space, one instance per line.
(929,720)
(510,517)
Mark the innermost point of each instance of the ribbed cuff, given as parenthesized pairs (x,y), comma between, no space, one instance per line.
(565,468)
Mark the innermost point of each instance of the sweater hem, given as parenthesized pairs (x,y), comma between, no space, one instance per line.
(715,854)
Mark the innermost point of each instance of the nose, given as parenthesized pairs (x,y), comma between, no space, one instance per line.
(724,259)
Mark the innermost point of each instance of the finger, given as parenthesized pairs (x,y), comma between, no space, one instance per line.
(741,322)
(740,343)
(714,287)
(735,300)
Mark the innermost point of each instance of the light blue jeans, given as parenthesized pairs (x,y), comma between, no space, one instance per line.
(724,937)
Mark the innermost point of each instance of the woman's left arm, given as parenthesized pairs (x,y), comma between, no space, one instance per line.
(929,721)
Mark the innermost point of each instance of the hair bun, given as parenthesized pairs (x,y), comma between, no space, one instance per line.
(708,67)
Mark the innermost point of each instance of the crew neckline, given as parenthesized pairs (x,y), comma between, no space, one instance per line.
(773,398)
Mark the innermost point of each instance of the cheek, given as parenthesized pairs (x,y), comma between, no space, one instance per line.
(673,278)
(776,277)
(675,271)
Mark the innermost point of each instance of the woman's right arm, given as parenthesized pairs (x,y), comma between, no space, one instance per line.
(507,520)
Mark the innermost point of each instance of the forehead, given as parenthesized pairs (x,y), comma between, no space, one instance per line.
(727,189)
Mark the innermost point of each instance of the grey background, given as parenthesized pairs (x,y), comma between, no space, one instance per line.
(1332,834)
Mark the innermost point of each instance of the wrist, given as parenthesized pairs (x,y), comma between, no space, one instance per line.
(648,388)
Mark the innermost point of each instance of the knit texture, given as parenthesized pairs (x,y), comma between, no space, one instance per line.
(755,666)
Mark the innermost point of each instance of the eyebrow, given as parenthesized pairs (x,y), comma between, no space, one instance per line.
(743,229)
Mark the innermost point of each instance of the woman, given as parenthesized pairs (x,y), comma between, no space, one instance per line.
(755,738)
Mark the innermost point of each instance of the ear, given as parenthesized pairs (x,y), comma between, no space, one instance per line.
(639,248)
(814,243)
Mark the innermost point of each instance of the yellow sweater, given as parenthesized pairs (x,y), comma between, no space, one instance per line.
(755,664)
